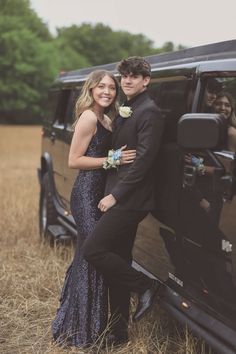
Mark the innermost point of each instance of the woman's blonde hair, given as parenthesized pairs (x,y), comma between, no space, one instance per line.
(86,100)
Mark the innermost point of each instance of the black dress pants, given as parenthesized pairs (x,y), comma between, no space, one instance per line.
(120,298)
(109,249)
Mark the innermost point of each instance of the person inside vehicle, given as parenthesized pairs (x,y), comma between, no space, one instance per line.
(213,87)
(224,104)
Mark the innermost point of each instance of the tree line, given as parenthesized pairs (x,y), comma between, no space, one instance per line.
(31,58)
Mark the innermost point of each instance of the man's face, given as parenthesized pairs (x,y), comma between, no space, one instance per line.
(209,98)
(133,84)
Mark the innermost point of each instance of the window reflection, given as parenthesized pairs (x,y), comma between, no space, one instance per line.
(209,202)
(224,105)
(219,95)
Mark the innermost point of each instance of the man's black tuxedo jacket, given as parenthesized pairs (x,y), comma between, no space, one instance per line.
(132,185)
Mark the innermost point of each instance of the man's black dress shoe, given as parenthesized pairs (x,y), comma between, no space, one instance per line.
(146,301)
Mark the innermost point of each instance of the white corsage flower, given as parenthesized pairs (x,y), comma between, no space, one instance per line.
(125,111)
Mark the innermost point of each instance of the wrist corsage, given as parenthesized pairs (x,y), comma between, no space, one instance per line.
(125,111)
(112,160)
(198,163)
(201,169)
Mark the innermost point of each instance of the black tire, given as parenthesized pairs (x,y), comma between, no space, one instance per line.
(47,211)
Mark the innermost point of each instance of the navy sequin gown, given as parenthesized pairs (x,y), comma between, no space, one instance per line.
(83,311)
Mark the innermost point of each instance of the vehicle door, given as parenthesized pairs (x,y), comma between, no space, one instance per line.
(157,244)
(207,210)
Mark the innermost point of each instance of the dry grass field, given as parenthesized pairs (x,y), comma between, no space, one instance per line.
(31,273)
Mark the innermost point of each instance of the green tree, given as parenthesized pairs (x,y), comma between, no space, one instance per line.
(28,62)
(21,9)
(181,47)
(100,45)
(69,58)
(167,47)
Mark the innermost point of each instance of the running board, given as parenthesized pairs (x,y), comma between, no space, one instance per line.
(59,233)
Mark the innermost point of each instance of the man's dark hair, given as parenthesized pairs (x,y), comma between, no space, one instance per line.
(135,66)
(214,86)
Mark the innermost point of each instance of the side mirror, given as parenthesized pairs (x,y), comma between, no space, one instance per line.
(200,130)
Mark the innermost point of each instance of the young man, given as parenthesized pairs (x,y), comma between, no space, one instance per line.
(128,199)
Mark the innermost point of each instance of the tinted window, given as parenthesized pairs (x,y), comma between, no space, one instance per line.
(218,95)
(52,102)
(211,87)
(62,106)
(171,97)
(70,113)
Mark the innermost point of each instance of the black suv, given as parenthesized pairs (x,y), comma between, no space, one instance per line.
(192,250)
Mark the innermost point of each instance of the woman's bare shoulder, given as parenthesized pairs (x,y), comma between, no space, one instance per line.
(88,114)
(87,121)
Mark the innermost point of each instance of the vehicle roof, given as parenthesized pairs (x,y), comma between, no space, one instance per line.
(208,52)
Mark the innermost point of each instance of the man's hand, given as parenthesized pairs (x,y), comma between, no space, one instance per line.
(106,203)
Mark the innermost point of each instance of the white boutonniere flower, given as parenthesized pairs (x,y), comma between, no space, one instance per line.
(125,111)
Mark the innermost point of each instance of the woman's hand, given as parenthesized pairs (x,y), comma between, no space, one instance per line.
(127,156)
(106,203)
(188,158)
(205,205)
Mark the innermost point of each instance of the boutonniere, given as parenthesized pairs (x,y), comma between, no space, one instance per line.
(125,111)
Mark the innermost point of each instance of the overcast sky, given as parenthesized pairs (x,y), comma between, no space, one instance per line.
(187,22)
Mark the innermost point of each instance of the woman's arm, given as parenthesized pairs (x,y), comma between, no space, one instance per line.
(232,139)
(84,131)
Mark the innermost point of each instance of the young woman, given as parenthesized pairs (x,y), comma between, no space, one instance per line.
(82,316)
(224,104)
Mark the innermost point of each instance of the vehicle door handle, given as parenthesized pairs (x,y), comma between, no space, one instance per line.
(53,137)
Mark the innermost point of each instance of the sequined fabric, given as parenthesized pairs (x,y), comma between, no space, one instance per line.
(82,315)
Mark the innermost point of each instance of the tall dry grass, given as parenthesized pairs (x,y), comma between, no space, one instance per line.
(31,273)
